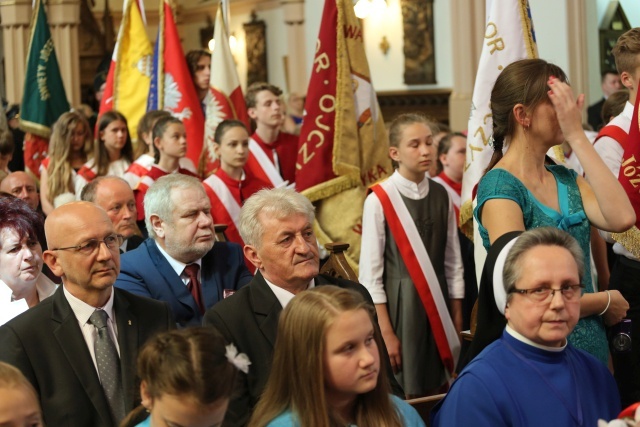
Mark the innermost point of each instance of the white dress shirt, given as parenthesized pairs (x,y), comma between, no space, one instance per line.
(373,242)
(179,266)
(83,312)
(284,296)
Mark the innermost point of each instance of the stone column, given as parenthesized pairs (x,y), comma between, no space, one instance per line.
(64,18)
(296,71)
(15,17)
(578,50)
(467,29)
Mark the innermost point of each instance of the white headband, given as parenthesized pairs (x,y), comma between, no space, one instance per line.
(499,292)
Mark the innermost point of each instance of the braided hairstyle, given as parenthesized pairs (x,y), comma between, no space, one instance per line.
(521,82)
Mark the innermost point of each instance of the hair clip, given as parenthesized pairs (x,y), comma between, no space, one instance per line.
(492,143)
(239,360)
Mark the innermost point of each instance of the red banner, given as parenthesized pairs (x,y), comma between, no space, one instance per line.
(179,93)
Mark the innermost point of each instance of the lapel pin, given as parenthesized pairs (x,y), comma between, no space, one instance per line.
(129,322)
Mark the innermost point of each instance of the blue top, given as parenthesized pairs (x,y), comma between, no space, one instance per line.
(512,383)
(145,423)
(408,416)
(589,334)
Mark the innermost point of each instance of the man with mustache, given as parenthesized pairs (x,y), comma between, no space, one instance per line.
(79,346)
(277,228)
(179,262)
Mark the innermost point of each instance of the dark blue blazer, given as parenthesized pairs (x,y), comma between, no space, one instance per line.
(145,271)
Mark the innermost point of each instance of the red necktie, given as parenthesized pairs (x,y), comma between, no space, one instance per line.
(194,286)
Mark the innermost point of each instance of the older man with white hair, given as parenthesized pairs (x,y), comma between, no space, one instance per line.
(277,228)
(179,262)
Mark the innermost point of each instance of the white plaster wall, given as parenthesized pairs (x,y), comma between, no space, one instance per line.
(550,23)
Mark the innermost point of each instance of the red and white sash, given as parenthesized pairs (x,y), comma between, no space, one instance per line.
(224,207)
(259,162)
(421,271)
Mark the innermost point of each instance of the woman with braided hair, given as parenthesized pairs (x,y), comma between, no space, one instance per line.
(533,110)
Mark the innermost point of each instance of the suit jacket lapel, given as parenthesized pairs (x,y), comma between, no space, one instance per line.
(209,277)
(127,324)
(72,343)
(173,280)
(266,307)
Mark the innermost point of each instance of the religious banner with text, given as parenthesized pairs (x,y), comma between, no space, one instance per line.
(44,98)
(508,37)
(629,177)
(343,146)
(171,86)
(127,85)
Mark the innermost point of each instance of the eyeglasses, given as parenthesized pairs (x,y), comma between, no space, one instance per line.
(113,243)
(544,294)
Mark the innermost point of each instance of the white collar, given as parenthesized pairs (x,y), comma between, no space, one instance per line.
(178,266)
(526,340)
(283,295)
(83,311)
(628,110)
(409,188)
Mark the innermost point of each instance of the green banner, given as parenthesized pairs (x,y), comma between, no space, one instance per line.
(44,98)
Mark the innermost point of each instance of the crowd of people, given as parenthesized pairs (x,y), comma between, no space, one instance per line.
(121,306)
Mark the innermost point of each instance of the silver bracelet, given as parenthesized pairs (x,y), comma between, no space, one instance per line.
(608,304)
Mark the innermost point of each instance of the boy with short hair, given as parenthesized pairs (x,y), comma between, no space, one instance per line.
(410,262)
(625,276)
(273,153)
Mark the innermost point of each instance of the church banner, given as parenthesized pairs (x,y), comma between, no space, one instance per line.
(629,177)
(43,98)
(225,100)
(171,86)
(343,146)
(508,37)
(128,80)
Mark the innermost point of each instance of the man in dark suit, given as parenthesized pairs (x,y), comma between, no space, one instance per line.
(179,263)
(277,228)
(114,195)
(79,347)
(610,82)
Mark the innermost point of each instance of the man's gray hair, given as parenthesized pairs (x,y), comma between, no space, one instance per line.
(158,200)
(90,190)
(543,236)
(278,203)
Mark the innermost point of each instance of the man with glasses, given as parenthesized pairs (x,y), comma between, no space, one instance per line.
(78,347)
(532,376)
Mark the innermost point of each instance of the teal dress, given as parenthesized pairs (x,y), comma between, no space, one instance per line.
(589,333)
(408,416)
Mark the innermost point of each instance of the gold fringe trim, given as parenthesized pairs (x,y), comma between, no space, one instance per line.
(527,30)
(466,219)
(630,239)
(35,128)
(329,188)
(559,153)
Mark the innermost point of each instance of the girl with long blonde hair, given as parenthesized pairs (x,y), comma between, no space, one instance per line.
(326,367)
(68,147)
